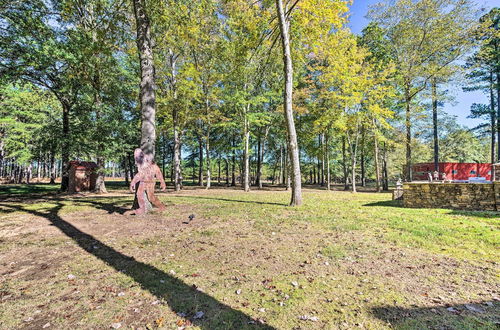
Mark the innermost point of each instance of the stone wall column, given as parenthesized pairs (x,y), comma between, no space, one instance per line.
(496,188)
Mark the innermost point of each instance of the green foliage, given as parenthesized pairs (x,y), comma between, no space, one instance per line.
(29,120)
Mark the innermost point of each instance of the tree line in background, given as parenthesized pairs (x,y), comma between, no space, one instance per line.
(244,91)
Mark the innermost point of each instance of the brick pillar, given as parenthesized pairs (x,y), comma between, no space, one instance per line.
(496,172)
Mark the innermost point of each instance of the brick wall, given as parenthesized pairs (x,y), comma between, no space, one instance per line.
(464,196)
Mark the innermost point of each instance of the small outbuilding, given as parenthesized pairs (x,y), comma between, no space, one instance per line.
(454,171)
(82,176)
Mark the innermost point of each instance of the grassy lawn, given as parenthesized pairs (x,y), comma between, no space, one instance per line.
(246,260)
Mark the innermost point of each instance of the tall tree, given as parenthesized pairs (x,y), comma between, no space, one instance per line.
(293,147)
(147,85)
(426,36)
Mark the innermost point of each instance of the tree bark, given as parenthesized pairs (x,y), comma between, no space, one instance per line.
(147,85)
(233,167)
(100,186)
(327,156)
(362,160)
(209,165)
(175,120)
(353,148)
(322,159)
(29,173)
(65,146)
(262,152)
(296,198)
(498,102)
(493,118)
(385,173)
(52,168)
(408,174)
(376,159)
(281,179)
(344,164)
(130,165)
(246,160)
(227,171)
(435,123)
(259,162)
(200,169)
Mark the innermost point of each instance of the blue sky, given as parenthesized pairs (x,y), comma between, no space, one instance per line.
(463,101)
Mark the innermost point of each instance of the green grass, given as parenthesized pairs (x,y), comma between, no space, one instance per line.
(27,189)
(351,260)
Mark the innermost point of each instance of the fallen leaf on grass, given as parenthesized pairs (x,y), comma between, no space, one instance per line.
(308,318)
(160,321)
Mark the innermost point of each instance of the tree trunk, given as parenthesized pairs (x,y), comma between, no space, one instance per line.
(322,150)
(125,171)
(281,179)
(38,168)
(493,119)
(353,147)
(175,119)
(65,147)
(286,169)
(227,171)
(21,174)
(497,69)
(362,158)
(259,163)
(147,84)
(246,161)
(327,156)
(262,148)
(209,165)
(290,123)
(100,186)
(193,176)
(219,170)
(130,165)
(52,168)
(435,124)
(408,174)
(200,170)
(344,164)
(385,173)
(28,173)
(233,167)
(498,101)
(147,87)
(376,156)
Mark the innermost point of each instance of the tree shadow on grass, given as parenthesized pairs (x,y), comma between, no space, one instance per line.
(471,213)
(480,214)
(109,207)
(179,296)
(390,203)
(235,200)
(465,316)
